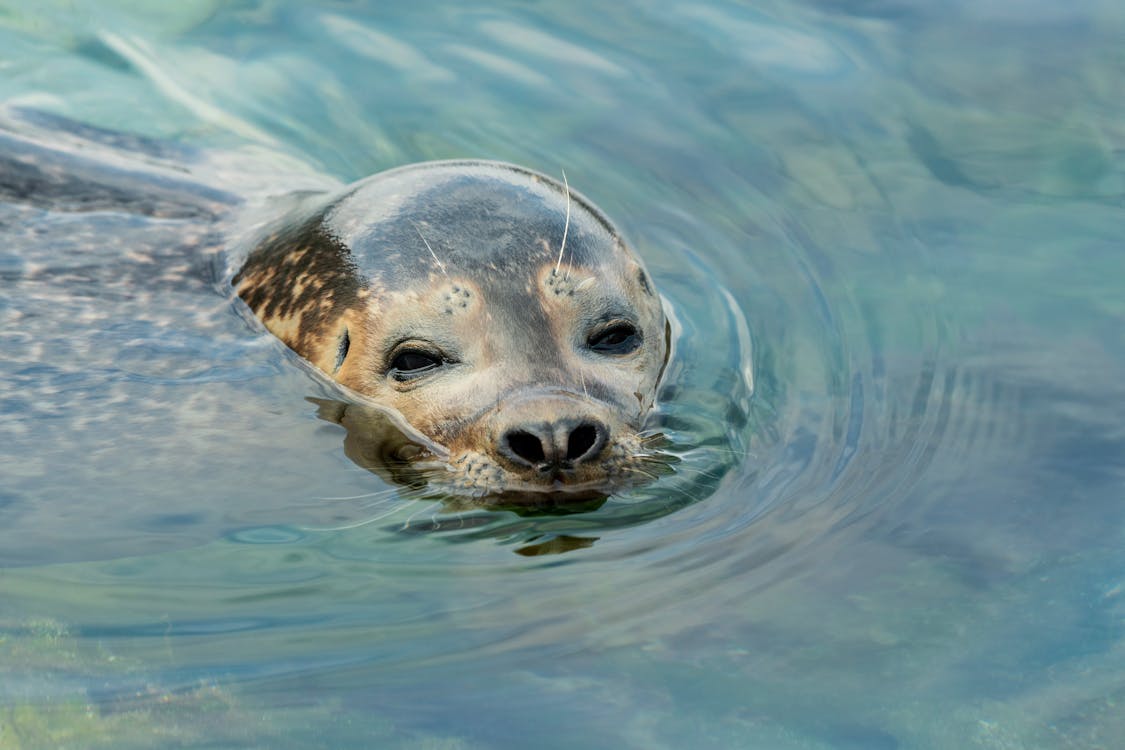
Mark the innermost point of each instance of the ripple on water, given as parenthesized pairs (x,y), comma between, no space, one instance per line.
(803,411)
(785,457)
(785,452)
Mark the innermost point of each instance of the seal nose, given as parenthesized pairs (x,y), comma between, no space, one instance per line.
(549,446)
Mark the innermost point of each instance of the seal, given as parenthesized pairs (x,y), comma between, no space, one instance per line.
(498,312)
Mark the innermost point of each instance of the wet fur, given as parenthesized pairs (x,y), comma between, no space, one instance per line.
(506,272)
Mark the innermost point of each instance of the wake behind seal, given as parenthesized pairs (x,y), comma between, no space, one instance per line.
(500,313)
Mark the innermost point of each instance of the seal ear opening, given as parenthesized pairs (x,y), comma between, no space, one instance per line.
(342,350)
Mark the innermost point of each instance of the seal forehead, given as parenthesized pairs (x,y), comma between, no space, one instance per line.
(482,217)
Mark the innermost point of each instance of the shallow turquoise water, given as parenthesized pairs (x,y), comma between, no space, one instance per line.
(907,534)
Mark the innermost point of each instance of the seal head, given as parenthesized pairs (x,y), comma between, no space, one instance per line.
(500,313)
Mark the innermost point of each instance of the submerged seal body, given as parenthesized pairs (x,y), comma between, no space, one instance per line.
(498,312)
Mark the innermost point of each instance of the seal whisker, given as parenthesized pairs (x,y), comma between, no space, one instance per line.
(364,496)
(642,472)
(695,471)
(661,458)
(566,228)
(727,451)
(432,253)
(378,498)
(415,514)
(681,492)
(660,468)
(357,524)
(654,439)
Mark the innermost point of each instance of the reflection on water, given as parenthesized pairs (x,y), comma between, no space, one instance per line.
(381,442)
(900,526)
(378,439)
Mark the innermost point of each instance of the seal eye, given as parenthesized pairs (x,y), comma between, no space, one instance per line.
(618,338)
(413,362)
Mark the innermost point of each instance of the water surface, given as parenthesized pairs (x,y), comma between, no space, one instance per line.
(890,236)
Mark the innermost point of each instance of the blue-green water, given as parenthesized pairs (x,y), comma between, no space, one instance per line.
(905,530)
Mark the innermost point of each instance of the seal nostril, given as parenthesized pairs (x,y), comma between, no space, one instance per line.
(525,446)
(582,439)
(550,447)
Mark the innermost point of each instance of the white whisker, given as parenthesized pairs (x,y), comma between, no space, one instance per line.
(356,524)
(637,470)
(412,516)
(364,496)
(389,496)
(670,486)
(566,227)
(687,471)
(432,253)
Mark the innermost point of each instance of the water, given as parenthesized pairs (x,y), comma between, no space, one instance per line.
(890,235)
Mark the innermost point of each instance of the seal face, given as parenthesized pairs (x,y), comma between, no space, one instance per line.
(498,312)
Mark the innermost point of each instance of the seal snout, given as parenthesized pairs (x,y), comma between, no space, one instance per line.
(550,447)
